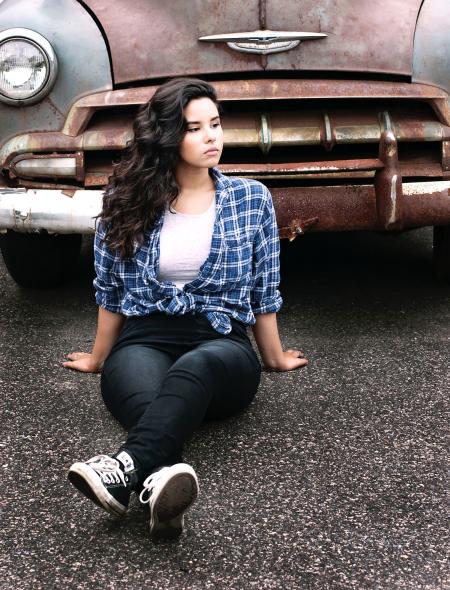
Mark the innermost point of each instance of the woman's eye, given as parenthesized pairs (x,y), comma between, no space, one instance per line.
(193,129)
(216,124)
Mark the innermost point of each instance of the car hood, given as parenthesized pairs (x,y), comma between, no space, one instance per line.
(155,39)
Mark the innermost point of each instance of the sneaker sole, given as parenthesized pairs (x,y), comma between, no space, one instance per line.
(172,500)
(89,483)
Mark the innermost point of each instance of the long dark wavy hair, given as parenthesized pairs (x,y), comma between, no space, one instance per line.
(143,182)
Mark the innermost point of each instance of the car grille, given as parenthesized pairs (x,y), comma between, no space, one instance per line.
(276,141)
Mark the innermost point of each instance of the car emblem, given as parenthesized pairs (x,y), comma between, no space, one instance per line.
(263,42)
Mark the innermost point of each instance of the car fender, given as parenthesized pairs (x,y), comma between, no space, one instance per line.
(431,56)
(83,61)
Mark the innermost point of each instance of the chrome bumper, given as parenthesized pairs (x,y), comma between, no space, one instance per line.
(52,210)
(333,208)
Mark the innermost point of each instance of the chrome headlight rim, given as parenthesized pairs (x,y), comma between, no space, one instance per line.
(41,43)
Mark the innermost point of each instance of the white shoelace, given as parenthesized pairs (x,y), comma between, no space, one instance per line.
(107,468)
(150,483)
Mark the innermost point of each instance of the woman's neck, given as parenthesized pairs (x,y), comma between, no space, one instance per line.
(196,190)
(192,179)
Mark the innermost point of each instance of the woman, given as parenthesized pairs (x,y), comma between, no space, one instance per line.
(185,258)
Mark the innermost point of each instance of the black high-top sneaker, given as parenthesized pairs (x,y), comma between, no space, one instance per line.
(169,492)
(107,481)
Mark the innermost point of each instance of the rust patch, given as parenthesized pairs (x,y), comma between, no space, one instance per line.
(298,228)
(351,208)
(262,14)
(302,167)
(336,208)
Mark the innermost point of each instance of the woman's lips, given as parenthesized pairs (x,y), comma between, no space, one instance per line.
(212,152)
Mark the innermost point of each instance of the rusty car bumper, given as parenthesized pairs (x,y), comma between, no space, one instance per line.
(380,163)
(299,209)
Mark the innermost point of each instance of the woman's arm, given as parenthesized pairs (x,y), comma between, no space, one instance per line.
(109,326)
(265,298)
(267,338)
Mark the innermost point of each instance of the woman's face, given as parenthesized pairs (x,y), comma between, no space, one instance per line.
(202,144)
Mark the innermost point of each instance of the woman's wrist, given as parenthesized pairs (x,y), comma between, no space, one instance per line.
(96,362)
(273,360)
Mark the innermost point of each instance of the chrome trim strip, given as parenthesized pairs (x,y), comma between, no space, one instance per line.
(328,140)
(386,121)
(262,41)
(265,135)
(266,36)
(52,210)
(65,166)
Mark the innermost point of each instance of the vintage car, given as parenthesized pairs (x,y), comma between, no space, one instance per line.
(342,108)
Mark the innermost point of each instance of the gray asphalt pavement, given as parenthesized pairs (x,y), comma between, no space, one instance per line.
(335,478)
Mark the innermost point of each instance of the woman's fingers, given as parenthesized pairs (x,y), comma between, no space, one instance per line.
(292,359)
(76,365)
(73,362)
(296,353)
(302,362)
(298,358)
(84,365)
(74,356)
(79,361)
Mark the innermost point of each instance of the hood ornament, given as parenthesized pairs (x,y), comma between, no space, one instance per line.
(263,42)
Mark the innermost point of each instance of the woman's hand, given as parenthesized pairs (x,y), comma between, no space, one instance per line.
(108,329)
(289,360)
(273,356)
(82,361)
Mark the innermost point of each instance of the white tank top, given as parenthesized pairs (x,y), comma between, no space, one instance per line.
(185,243)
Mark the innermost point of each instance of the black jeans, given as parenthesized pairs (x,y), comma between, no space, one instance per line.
(166,374)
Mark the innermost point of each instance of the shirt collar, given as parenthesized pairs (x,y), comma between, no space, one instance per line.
(222,184)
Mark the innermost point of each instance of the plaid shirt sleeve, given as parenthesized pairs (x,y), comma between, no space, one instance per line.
(108,285)
(265,296)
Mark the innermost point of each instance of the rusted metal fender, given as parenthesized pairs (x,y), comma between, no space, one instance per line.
(431,57)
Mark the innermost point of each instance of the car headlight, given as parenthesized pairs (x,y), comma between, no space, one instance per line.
(28,66)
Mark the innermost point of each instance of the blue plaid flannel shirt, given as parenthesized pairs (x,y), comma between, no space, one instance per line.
(239,278)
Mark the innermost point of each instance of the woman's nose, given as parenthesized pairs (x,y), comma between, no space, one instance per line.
(210,133)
